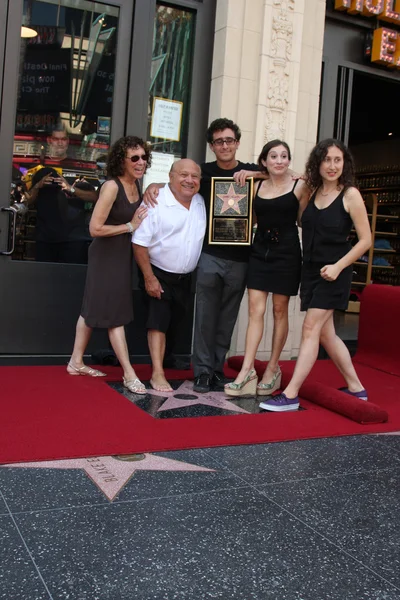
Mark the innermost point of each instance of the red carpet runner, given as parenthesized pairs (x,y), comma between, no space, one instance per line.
(46,415)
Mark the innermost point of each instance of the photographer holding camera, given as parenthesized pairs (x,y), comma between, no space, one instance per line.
(61,231)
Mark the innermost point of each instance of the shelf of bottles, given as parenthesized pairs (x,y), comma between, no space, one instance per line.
(380,187)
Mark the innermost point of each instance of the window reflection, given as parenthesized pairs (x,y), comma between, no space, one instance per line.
(63,125)
(173,41)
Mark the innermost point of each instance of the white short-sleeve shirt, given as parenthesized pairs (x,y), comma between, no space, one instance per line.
(172,233)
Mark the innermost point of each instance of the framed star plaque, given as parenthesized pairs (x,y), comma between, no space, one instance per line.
(231,212)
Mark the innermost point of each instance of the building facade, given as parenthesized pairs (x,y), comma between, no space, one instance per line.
(299,70)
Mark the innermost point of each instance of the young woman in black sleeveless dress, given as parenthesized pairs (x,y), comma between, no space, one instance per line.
(274,267)
(334,209)
(108,299)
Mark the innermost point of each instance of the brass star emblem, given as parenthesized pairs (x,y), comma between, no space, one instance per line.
(231,200)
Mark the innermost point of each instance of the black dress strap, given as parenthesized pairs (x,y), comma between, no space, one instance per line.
(259,184)
(294,186)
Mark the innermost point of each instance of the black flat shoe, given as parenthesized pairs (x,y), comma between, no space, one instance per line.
(202,383)
(219,380)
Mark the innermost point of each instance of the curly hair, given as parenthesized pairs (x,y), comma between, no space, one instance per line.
(220,125)
(117,154)
(318,155)
(267,148)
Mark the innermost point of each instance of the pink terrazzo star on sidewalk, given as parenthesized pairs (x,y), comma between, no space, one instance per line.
(216,399)
(111,474)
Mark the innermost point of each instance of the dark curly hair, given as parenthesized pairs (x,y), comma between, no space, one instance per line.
(220,125)
(268,146)
(117,154)
(318,154)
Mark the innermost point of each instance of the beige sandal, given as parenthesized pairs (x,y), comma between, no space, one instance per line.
(85,370)
(266,389)
(135,386)
(247,387)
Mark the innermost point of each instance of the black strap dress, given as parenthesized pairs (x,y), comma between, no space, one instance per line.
(275,260)
(325,234)
(108,300)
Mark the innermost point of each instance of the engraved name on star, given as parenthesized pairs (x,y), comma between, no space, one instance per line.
(111,474)
(231,200)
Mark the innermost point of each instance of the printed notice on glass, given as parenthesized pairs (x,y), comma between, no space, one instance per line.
(166,119)
(161,164)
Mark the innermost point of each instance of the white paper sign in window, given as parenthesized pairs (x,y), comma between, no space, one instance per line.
(166,119)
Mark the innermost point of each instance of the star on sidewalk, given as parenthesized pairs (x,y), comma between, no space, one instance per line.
(216,399)
(110,473)
(231,200)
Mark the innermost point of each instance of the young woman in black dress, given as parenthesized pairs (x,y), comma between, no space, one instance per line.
(335,207)
(108,299)
(274,267)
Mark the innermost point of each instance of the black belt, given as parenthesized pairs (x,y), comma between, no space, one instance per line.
(171,276)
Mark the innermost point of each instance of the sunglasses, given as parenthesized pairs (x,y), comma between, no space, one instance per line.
(135,158)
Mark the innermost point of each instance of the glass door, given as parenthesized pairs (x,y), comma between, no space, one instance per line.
(64,61)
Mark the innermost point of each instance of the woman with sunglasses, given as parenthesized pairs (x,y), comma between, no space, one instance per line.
(107,301)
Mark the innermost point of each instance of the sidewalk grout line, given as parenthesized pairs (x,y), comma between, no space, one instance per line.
(26,546)
(317,533)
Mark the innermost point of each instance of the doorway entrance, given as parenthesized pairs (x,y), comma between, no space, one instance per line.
(70,71)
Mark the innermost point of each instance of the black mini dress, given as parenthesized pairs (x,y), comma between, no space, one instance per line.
(275,259)
(325,235)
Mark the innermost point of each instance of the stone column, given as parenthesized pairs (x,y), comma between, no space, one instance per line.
(266,77)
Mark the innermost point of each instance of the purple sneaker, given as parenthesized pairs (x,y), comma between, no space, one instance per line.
(281,403)
(360,395)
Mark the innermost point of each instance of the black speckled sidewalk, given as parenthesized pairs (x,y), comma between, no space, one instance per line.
(308,520)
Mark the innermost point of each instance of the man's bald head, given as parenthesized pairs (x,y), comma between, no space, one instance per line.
(184,164)
(184,179)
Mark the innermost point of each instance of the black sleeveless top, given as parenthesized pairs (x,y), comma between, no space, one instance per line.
(277,213)
(325,231)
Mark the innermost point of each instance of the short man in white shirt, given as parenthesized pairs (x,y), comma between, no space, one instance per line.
(167,249)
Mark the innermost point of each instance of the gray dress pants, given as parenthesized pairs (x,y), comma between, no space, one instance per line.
(219,292)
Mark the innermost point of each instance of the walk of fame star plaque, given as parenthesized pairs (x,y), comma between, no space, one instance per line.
(231,215)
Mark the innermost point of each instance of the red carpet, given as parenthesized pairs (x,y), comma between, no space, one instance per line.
(47,415)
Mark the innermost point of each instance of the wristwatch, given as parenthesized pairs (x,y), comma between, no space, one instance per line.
(72,190)
(130,227)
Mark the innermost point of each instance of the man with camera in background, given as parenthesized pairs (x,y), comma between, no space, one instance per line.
(61,231)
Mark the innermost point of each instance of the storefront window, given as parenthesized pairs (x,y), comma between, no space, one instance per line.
(169,100)
(63,124)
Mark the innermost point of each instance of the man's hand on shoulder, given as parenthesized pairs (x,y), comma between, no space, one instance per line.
(295,175)
(241,176)
(153,287)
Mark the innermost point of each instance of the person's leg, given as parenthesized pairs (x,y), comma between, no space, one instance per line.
(235,276)
(340,355)
(207,313)
(82,337)
(158,322)
(120,347)
(76,365)
(156,340)
(279,335)
(312,327)
(255,328)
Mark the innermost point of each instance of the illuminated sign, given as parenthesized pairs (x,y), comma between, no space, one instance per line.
(386,42)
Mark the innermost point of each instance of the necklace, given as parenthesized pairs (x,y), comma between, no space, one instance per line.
(328,192)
